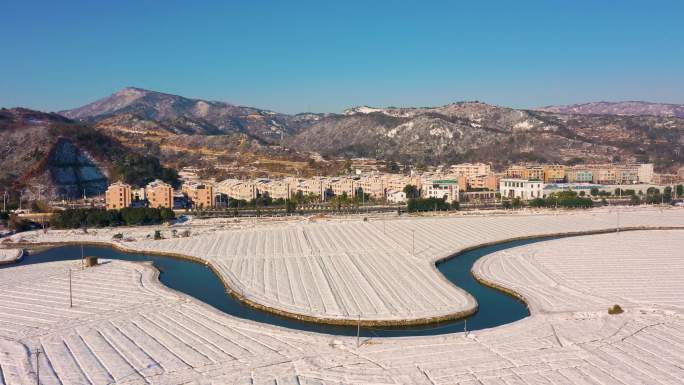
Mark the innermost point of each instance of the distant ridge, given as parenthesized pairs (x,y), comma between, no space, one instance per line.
(626,108)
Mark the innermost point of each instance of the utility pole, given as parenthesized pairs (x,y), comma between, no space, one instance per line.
(82,259)
(4,201)
(618,221)
(413,242)
(37,366)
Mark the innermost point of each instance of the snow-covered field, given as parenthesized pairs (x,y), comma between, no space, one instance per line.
(636,268)
(9,255)
(378,270)
(125,327)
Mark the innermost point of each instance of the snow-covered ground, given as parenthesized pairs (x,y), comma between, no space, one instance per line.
(125,327)
(9,255)
(342,270)
(636,268)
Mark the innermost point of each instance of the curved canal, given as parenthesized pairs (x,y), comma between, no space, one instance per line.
(197,280)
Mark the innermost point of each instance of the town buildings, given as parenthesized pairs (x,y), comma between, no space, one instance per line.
(118,196)
(585,173)
(467,182)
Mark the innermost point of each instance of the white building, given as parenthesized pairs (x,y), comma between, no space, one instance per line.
(446,189)
(645,172)
(394,196)
(521,188)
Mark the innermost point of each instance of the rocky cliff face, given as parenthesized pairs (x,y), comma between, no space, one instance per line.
(73,172)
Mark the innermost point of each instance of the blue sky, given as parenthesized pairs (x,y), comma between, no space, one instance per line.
(324,56)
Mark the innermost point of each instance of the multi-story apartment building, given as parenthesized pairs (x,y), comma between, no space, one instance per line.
(524,189)
(201,195)
(525,172)
(554,173)
(471,169)
(626,174)
(515,171)
(118,196)
(394,182)
(446,189)
(645,172)
(534,173)
(341,186)
(237,189)
(482,182)
(276,189)
(373,184)
(579,174)
(159,194)
(604,175)
(665,179)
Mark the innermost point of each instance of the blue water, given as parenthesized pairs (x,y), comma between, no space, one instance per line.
(195,279)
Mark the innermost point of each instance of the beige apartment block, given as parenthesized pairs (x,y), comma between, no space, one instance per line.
(665,179)
(373,184)
(341,186)
(201,195)
(395,182)
(276,189)
(118,196)
(237,189)
(483,181)
(604,175)
(471,169)
(515,171)
(159,194)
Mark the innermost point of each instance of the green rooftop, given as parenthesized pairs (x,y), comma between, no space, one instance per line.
(445,181)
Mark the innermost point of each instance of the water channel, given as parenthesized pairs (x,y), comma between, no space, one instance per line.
(197,280)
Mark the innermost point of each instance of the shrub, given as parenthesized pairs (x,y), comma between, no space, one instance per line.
(426,204)
(615,309)
(157,235)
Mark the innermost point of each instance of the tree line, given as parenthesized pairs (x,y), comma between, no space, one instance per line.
(94,217)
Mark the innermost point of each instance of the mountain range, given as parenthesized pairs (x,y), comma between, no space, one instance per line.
(249,141)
